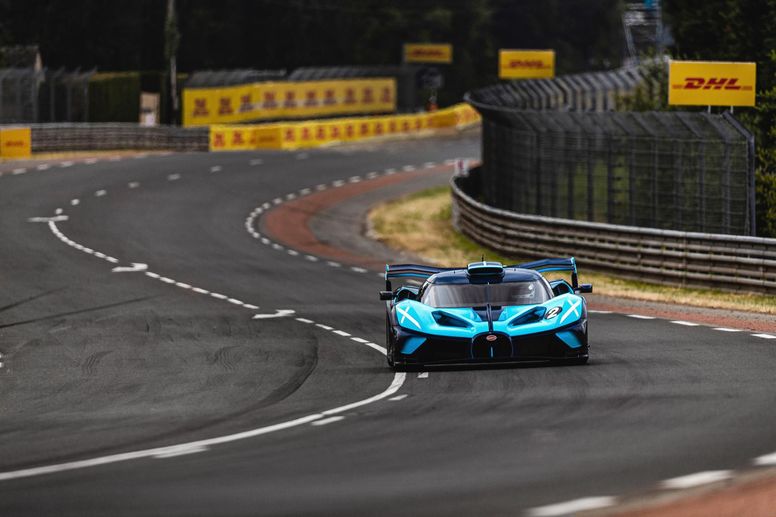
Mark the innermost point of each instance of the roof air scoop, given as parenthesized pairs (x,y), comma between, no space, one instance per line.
(485,269)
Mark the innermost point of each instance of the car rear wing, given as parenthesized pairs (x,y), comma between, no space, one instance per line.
(555,264)
(410,271)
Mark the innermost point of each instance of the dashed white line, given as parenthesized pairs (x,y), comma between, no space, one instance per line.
(305,191)
(388,172)
(725,329)
(215,168)
(100,193)
(697,479)
(333,264)
(640,317)
(16,172)
(357,269)
(66,164)
(151,274)
(133,184)
(256,161)
(293,253)
(685,323)
(423,375)
(764,336)
(219,296)
(183,285)
(408,168)
(166,280)
(235,301)
(341,333)
(304,320)
(75,202)
(337,183)
(199,290)
(572,507)
(321,187)
(311,258)
(429,165)
(359,340)
(250,306)
(277,200)
(90,161)
(372,175)
(593,311)
(324,327)
(329,420)
(173,177)
(354,179)
(43,167)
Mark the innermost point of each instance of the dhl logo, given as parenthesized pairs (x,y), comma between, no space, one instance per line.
(711,83)
(535,64)
(427,52)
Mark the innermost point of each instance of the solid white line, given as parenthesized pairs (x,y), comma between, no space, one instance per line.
(423,375)
(180,451)
(304,320)
(725,329)
(398,397)
(341,333)
(572,507)
(328,420)
(697,479)
(686,323)
(640,317)
(766,460)
(764,336)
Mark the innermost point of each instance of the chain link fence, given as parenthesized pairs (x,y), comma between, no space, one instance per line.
(670,170)
(28,95)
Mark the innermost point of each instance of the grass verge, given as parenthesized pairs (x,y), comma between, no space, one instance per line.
(421,224)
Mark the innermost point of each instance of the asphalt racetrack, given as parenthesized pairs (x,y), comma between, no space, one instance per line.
(156,389)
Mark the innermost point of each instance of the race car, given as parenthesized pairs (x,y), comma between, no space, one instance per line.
(485,313)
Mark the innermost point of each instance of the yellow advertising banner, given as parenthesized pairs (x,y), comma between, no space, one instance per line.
(315,133)
(711,83)
(428,53)
(15,142)
(277,100)
(526,64)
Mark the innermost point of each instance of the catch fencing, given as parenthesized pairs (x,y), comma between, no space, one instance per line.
(670,257)
(667,170)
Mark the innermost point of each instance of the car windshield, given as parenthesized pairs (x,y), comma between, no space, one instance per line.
(474,295)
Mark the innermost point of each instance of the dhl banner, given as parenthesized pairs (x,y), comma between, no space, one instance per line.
(15,142)
(428,53)
(711,83)
(526,64)
(277,100)
(315,133)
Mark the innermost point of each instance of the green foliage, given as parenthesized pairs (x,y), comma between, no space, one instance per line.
(652,94)
(766,204)
(114,97)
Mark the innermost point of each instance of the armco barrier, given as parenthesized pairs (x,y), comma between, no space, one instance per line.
(316,133)
(670,257)
(111,136)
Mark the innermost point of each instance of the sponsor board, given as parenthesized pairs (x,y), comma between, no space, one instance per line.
(526,64)
(15,142)
(316,133)
(284,100)
(710,83)
(428,53)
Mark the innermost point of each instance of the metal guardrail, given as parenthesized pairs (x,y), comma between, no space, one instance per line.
(671,257)
(111,136)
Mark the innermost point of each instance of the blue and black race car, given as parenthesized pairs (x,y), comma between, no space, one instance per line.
(485,313)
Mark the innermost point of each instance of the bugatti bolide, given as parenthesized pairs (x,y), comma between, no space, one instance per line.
(485,313)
